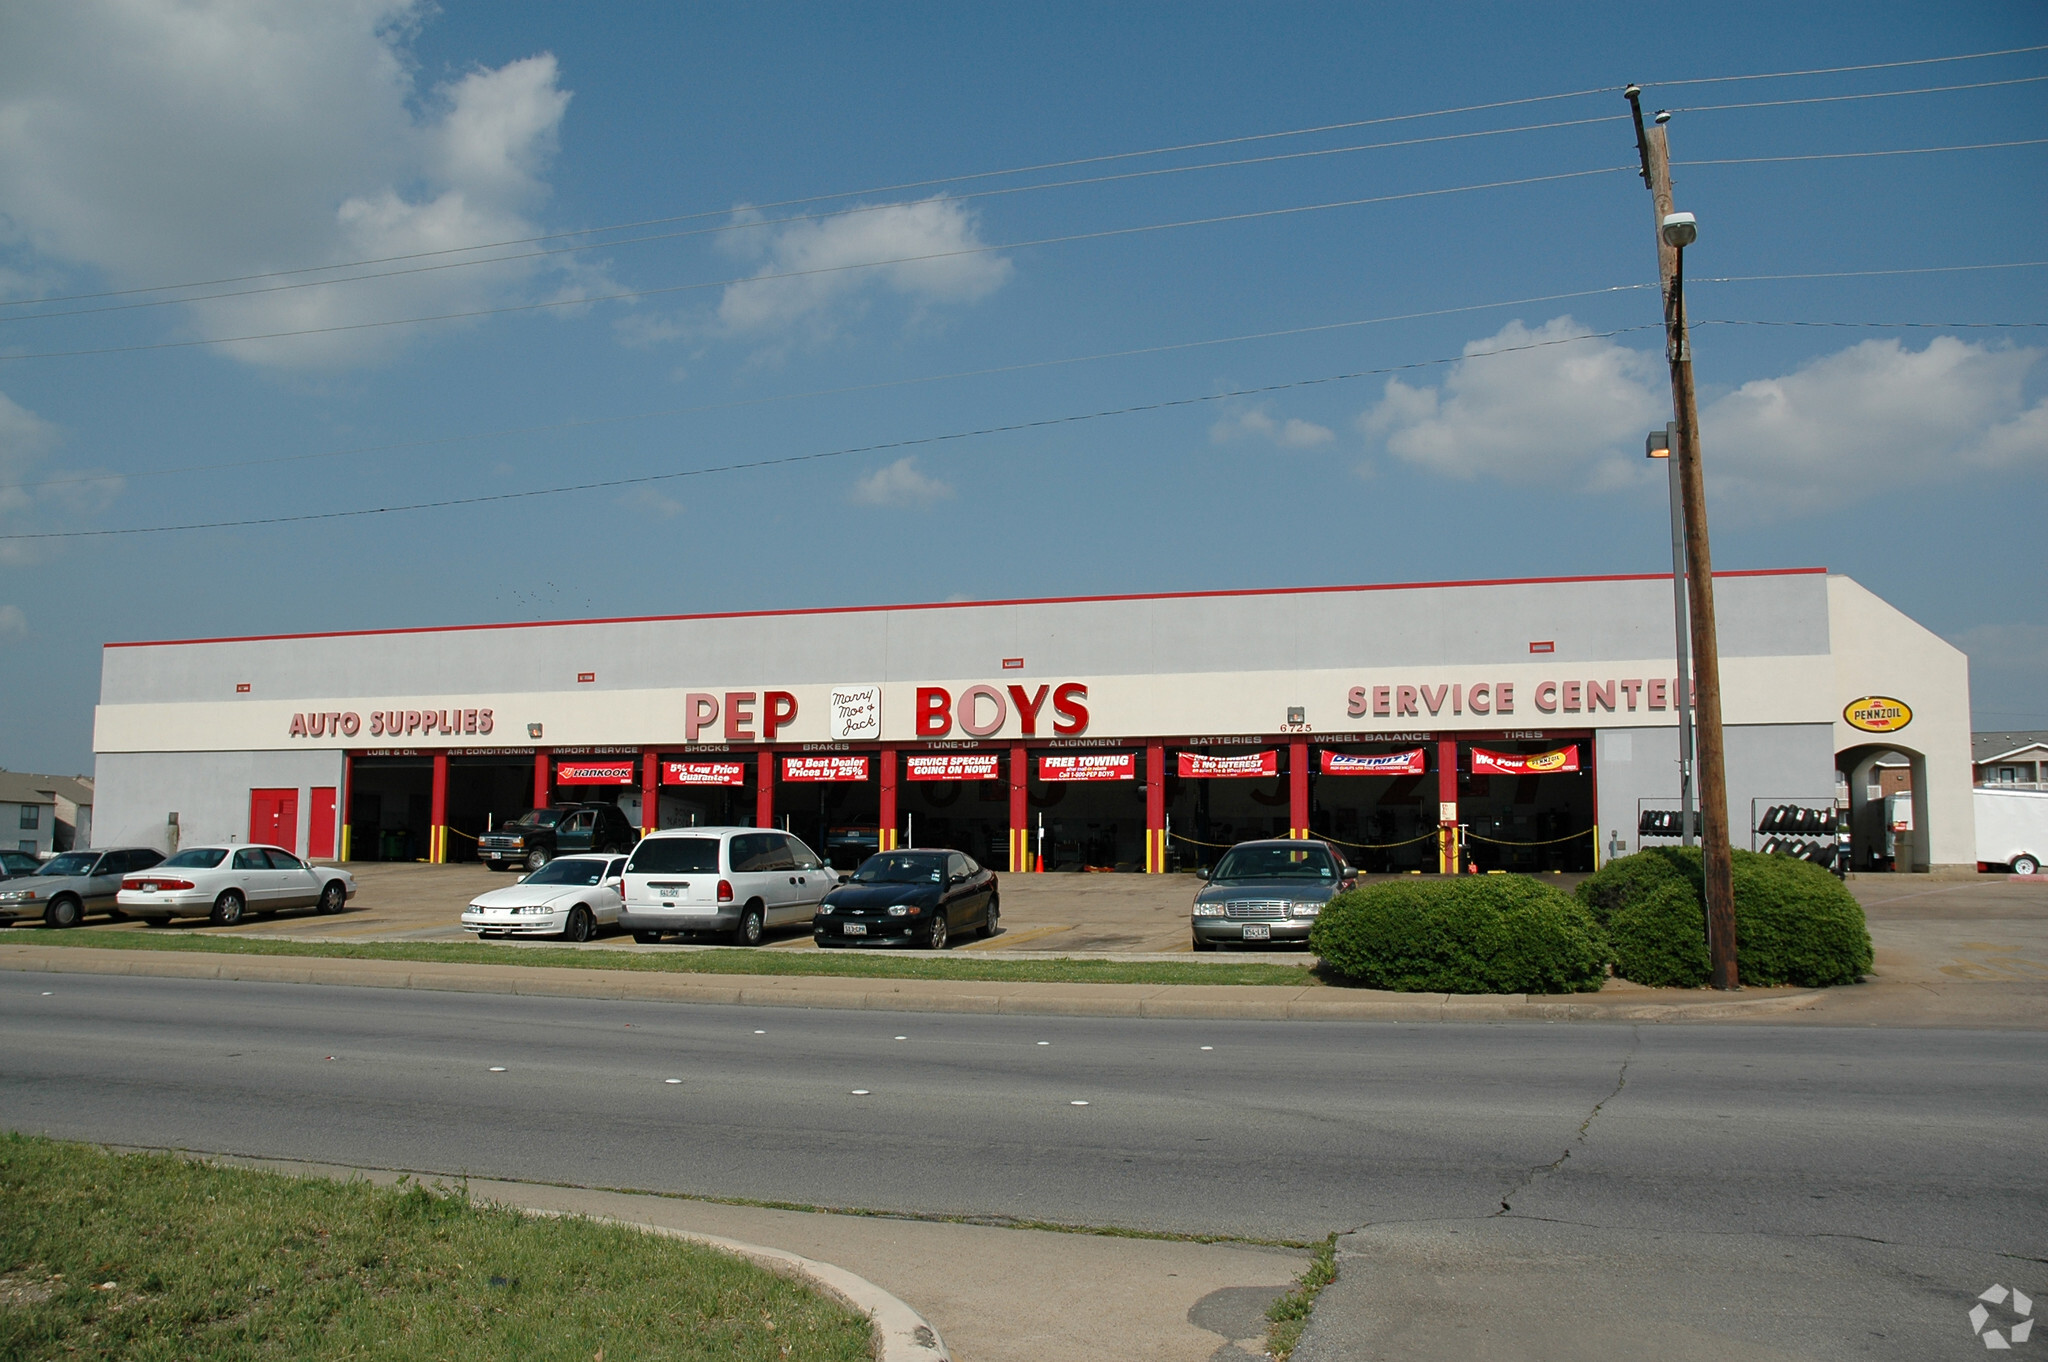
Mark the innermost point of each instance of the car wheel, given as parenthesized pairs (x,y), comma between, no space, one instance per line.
(1202,945)
(227,909)
(936,938)
(2025,865)
(64,912)
(989,924)
(333,898)
(537,858)
(748,933)
(579,927)
(647,938)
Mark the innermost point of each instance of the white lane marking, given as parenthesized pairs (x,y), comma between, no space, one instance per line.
(860,1092)
(497,1068)
(1208,1047)
(1077,1104)
(671,1080)
(1045,1042)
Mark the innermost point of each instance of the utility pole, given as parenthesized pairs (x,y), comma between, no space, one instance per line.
(1717,863)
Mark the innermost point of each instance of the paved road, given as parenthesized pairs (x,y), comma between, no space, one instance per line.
(1842,1190)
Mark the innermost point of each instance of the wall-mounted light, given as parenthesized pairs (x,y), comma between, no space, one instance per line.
(1297,714)
(533,730)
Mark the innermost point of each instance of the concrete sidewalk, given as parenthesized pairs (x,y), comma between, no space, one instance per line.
(993,1294)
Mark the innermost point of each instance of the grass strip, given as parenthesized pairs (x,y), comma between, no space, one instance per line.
(717,960)
(1289,1315)
(151,1256)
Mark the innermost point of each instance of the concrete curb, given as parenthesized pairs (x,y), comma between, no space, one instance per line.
(1184,1001)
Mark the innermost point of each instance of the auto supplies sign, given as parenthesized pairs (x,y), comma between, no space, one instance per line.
(1200,765)
(1090,766)
(1408,763)
(703,773)
(594,773)
(952,765)
(1561,760)
(824,770)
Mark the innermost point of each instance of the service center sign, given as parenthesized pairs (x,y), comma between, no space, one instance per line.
(703,773)
(1562,760)
(1252,764)
(824,770)
(1090,766)
(952,765)
(1377,764)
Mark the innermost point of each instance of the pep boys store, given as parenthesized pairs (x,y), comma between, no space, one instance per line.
(1524,725)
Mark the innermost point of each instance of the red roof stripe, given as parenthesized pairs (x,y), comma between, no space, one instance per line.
(961,605)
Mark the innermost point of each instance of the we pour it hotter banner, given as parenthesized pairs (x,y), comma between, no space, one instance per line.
(1199,764)
(1408,763)
(1561,760)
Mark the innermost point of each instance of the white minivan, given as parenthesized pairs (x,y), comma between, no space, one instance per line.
(737,882)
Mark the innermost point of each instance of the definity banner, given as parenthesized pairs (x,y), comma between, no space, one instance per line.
(1377,764)
(1557,761)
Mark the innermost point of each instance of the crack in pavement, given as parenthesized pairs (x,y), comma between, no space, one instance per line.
(1784,1235)
(1635,1040)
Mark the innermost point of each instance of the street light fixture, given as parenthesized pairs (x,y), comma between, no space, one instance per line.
(1659,445)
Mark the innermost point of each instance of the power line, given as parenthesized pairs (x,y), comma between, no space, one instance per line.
(1870,94)
(1931,326)
(1843,70)
(766,277)
(750,224)
(1859,155)
(886,446)
(1024,366)
(1864,274)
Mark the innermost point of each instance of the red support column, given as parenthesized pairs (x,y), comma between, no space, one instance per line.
(1020,809)
(764,790)
(543,778)
(886,834)
(1155,808)
(1448,858)
(1297,788)
(348,779)
(650,790)
(437,833)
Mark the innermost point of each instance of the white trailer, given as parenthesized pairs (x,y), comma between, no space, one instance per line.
(2012,829)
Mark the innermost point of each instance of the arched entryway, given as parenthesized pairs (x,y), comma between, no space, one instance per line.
(1867,826)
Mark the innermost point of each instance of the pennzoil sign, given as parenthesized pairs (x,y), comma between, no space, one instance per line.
(1877,714)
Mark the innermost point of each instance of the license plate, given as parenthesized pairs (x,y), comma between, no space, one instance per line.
(856,929)
(149,889)
(1258,933)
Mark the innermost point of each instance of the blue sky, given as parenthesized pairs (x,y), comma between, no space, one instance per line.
(147,143)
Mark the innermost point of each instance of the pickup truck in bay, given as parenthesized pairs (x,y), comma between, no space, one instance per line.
(537,836)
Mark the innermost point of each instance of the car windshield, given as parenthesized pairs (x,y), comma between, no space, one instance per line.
(1275,863)
(546,818)
(568,871)
(898,868)
(198,858)
(675,856)
(70,863)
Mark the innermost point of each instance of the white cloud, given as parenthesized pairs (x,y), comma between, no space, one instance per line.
(900,484)
(654,502)
(827,246)
(26,439)
(1874,417)
(1292,433)
(12,620)
(159,141)
(1555,407)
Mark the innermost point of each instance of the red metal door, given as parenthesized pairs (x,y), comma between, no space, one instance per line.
(320,824)
(274,818)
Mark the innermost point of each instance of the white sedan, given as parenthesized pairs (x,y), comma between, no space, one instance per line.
(569,897)
(221,883)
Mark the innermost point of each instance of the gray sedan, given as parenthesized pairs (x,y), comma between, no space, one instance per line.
(71,884)
(1268,891)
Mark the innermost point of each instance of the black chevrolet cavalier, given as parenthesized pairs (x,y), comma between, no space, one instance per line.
(909,898)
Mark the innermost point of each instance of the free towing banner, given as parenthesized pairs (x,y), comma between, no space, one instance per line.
(1408,763)
(1561,760)
(1090,766)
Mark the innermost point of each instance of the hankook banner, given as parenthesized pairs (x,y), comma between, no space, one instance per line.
(952,765)
(1090,766)
(1558,761)
(594,773)
(1201,765)
(1408,763)
(703,773)
(824,770)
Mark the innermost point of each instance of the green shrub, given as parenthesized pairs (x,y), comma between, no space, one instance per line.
(1794,922)
(1483,934)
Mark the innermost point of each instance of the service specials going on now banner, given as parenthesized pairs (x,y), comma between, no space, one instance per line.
(1251,764)
(1408,763)
(1557,761)
(952,765)
(1090,766)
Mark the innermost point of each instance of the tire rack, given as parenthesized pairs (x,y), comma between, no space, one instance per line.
(1662,823)
(1802,827)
